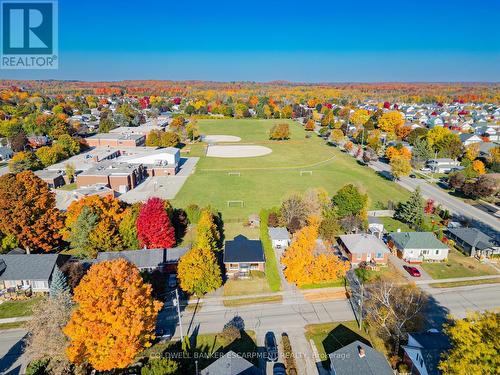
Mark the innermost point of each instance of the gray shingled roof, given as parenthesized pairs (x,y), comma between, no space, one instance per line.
(417,240)
(432,345)
(346,361)
(241,249)
(231,364)
(473,237)
(278,234)
(146,258)
(363,243)
(28,266)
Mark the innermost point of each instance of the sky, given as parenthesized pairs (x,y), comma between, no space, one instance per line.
(299,41)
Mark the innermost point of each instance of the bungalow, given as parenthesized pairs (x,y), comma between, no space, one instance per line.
(280,238)
(469,139)
(364,248)
(423,352)
(473,242)
(29,271)
(442,165)
(358,358)
(415,247)
(164,260)
(231,364)
(242,255)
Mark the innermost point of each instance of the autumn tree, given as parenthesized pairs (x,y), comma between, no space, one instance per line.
(394,310)
(24,161)
(128,227)
(350,201)
(154,228)
(293,208)
(400,166)
(207,233)
(360,117)
(280,132)
(472,151)
(337,136)
(474,345)
(46,340)
(115,317)
(391,121)
(198,271)
(97,226)
(28,212)
(478,167)
(310,125)
(303,266)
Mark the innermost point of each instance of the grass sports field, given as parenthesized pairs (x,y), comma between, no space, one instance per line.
(265,180)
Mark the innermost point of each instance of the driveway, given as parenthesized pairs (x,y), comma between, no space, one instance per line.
(399,263)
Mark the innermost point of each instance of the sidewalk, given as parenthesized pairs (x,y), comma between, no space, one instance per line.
(15,320)
(472,278)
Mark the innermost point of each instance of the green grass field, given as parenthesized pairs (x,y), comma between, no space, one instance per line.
(12,309)
(266,180)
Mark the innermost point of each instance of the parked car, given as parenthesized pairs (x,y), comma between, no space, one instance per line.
(271,347)
(413,271)
(279,369)
(163,335)
(172,280)
(413,175)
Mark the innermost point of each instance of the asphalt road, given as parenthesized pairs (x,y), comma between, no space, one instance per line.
(11,348)
(479,218)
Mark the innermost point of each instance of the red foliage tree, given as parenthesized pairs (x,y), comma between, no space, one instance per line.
(429,207)
(154,228)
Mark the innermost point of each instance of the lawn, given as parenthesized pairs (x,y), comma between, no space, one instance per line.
(458,265)
(392,225)
(329,337)
(251,301)
(266,180)
(254,285)
(455,284)
(272,273)
(12,309)
(329,284)
(68,187)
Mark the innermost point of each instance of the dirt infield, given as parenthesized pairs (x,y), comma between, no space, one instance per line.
(237,151)
(220,138)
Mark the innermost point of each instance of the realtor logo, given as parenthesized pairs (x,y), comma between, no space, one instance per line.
(29,34)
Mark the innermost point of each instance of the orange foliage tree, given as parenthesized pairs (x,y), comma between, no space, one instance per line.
(115,318)
(28,212)
(303,266)
(110,212)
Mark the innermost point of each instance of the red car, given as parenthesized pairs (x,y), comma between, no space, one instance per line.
(412,271)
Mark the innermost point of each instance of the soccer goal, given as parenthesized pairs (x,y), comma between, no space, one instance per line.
(302,173)
(235,204)
(234,174)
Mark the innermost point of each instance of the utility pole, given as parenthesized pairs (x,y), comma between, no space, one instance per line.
(177,304)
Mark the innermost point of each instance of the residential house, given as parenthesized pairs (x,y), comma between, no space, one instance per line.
(423,352)
(469,139)
(442,165)
(416,247)
(6,153)
(242,255)
(163,260)
(364,248)
(473,242)
(36,141)
(116,140)
(231,364)
(54,179)
(435,121)
(280,238)
(29,271)
(358,358)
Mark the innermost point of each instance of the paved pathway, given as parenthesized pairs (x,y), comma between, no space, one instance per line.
(15,320)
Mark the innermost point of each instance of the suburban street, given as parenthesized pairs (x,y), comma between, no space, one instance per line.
(478,217)
(11,348)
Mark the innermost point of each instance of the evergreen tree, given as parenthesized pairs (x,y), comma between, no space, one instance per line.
(59,283)
(411,211)
(80,231)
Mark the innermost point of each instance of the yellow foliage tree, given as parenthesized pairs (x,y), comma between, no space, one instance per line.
(115,318)
(302,266)
(390,121)
(400,166)
(207,233)
(478,166)
(437,134)
(360,117)
(199,272)
(472,151)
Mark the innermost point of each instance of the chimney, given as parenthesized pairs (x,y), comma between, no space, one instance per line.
(361,351)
